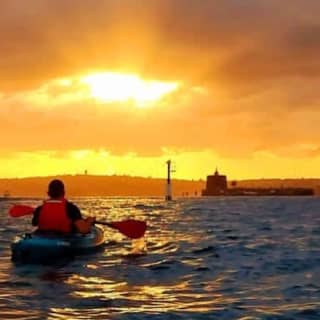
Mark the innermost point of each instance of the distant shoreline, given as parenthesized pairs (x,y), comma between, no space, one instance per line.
(96,185)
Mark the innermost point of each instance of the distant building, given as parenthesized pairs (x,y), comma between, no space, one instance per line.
(216,185)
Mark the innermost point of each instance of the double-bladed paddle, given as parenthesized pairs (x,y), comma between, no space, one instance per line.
(131,228)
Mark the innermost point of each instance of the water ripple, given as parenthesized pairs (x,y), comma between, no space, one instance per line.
(220,258)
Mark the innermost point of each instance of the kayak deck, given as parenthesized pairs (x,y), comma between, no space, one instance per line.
(48,247)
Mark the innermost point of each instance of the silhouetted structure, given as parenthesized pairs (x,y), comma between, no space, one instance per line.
(216,185)
(168,186)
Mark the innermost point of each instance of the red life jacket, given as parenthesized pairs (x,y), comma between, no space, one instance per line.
(53,216)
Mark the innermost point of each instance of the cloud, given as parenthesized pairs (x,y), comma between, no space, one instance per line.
(46,39)
(256,60)
(187,126)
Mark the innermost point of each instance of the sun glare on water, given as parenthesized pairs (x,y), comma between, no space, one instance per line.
(118,87)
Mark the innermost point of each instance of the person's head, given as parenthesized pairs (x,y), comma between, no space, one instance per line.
(56,189)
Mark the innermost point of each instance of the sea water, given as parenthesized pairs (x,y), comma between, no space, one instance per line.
(202,258)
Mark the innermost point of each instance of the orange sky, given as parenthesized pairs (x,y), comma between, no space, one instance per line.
(119,87)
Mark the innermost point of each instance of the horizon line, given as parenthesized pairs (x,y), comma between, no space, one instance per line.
(148,177)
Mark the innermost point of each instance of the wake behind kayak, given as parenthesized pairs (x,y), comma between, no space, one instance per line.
(48,247)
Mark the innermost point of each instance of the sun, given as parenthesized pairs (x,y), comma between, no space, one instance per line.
(119,87)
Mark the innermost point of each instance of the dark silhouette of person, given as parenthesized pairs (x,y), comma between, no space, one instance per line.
(57,214)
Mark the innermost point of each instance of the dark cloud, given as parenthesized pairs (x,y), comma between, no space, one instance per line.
(237,40)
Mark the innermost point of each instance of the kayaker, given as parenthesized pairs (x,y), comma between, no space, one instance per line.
(58,214)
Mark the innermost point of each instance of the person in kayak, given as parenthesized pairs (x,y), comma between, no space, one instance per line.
(58,214)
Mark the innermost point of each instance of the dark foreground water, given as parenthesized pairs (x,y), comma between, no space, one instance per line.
(219,258)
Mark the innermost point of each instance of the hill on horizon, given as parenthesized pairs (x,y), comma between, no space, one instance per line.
(92,185)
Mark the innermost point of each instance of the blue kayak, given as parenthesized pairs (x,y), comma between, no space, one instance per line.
(49,247)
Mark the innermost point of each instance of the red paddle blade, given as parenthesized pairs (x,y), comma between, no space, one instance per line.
(131,228)
(20,210)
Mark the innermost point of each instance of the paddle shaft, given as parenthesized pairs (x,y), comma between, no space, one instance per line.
(131,228)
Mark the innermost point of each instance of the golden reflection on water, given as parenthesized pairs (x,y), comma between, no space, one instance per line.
(173,269)
(139,246)
(89,287)
(125,297)
(148,298)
